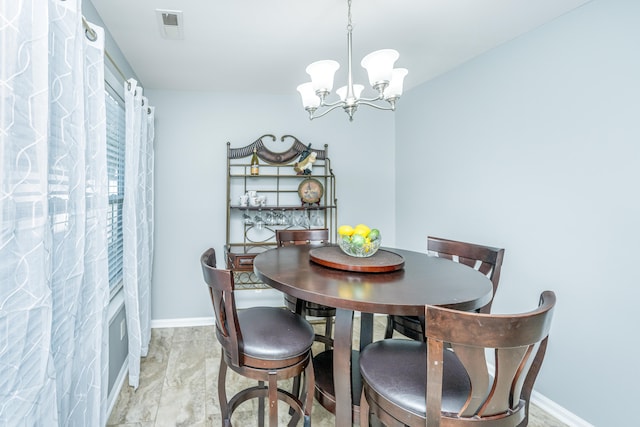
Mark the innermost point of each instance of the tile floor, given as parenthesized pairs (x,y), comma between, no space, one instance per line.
(178,381)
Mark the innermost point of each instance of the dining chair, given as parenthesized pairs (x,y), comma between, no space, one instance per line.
(485,259)
(318,236)
(266,344)
(413,383)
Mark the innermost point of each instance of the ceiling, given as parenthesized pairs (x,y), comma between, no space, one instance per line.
(264,45)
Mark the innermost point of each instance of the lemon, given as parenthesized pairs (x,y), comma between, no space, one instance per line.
(345,230)
(362,230)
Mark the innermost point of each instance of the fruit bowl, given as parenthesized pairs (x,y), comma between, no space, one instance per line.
(358,249)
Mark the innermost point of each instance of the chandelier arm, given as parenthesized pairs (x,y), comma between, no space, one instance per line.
(371,104)
(325,112)
(363,100)
(338,103)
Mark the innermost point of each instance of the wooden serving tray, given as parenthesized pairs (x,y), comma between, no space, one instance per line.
(382,261)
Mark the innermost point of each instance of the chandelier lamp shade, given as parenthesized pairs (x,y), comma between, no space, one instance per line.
(383,78)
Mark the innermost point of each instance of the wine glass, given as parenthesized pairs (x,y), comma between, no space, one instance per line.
(316,219)
(259,221)
(247,219)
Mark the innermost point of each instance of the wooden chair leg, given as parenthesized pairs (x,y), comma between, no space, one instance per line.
(261,408)
(328,328)
(364,411)
(295,390)
(388,333)
(299,309)
(309,381)
(273,399)
(222,393)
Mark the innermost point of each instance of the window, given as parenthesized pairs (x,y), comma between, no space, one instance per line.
(115,167)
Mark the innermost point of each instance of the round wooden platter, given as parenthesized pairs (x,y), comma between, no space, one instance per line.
(382,261)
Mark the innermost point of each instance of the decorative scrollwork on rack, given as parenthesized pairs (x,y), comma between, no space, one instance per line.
(247,280)
(281,158)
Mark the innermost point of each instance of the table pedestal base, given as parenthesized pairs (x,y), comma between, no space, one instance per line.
(325,391)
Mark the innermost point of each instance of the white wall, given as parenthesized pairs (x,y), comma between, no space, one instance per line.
(192,129)
(534,147)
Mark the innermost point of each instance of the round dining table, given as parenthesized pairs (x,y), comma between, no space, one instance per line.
(418,280)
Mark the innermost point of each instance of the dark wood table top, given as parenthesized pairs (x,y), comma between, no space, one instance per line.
(423,280)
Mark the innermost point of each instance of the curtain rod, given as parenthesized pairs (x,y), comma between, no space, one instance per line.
(92,35)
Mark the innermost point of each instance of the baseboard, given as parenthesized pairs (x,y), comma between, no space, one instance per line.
(201,321)
(557,411)
(117,387)
(182,323)
(552,408)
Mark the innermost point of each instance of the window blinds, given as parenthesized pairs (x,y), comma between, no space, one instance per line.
(115,166)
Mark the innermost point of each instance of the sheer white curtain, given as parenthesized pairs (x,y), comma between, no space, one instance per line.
(138,224)
(53,209)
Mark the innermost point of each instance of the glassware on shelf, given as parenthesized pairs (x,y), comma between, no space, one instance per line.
(289,217)
(302,219)
(280,218)
(269,218)
(247,219)
(259,222)
(316,219)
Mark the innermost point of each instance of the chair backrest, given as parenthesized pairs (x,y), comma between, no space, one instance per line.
(519,343)
(486,259)
(221,287)
(316,236)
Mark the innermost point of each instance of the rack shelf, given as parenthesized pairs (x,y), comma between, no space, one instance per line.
(252,229)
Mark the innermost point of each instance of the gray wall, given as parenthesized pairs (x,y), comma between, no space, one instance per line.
(192,129)
(534,147)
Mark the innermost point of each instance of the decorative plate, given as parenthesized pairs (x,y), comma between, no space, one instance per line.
(310,191)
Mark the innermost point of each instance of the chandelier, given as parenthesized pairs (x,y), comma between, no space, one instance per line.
(384,79)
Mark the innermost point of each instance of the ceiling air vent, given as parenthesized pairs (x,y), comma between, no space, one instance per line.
(170,22)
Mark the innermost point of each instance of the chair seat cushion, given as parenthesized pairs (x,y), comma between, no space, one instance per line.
(397,370)
(272,333)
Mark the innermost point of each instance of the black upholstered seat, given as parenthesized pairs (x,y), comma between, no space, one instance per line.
(405,384)
(266,344)
(414,383)
(273,333)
